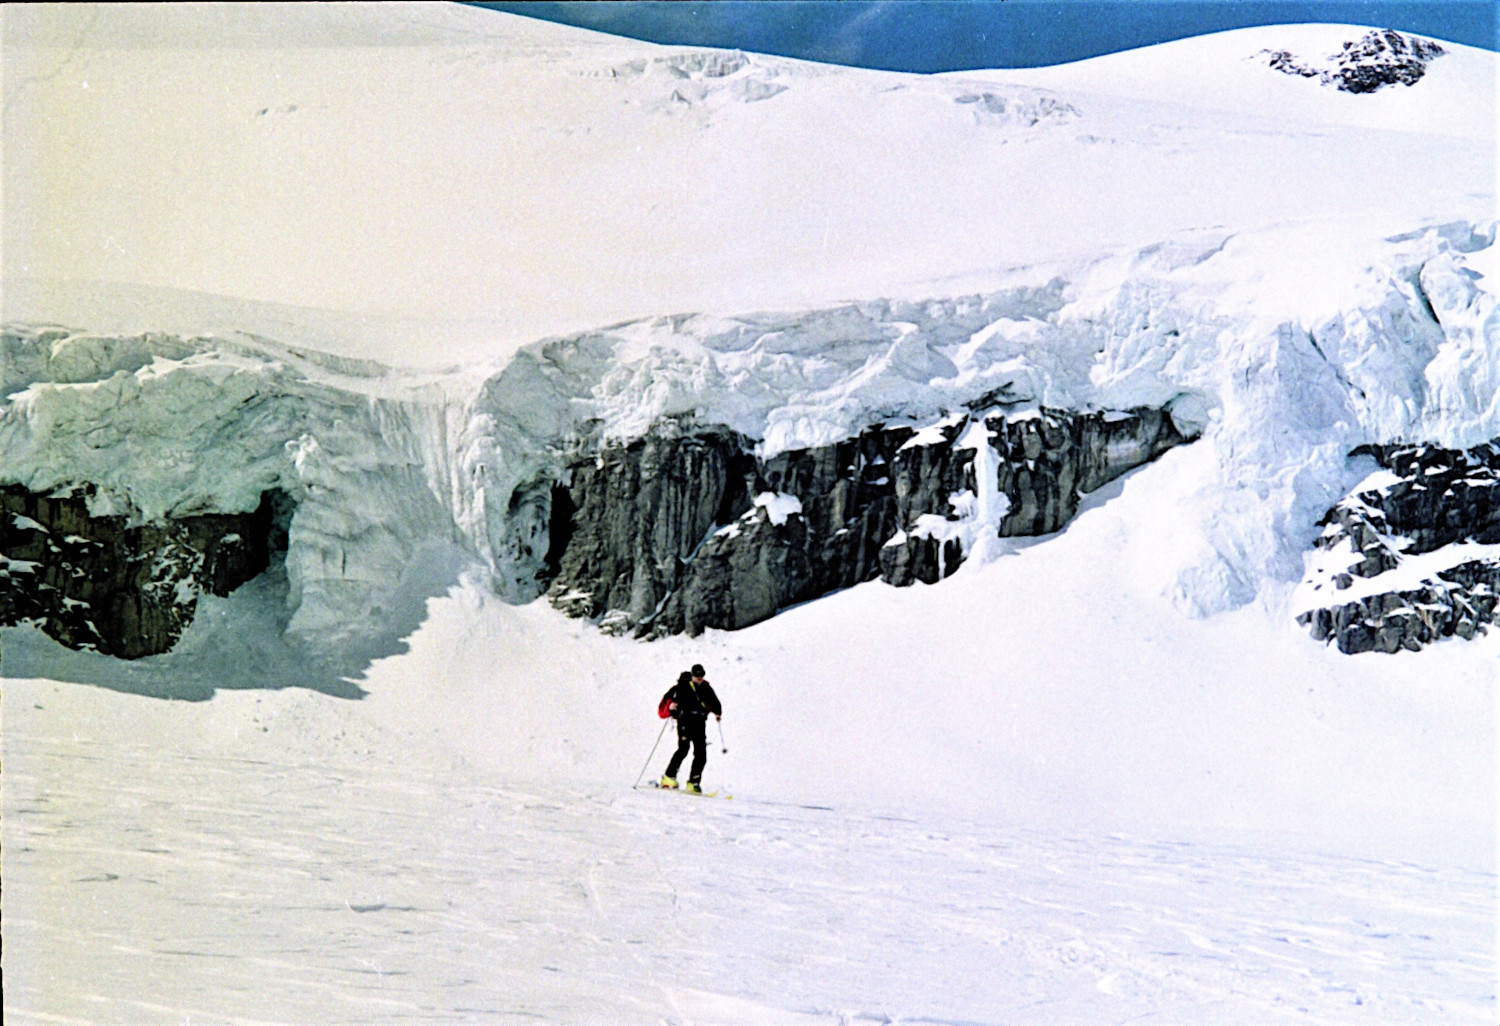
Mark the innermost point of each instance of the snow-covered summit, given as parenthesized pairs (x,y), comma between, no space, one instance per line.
(1300,74)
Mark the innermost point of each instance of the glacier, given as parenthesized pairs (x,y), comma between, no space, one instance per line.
(1400,342)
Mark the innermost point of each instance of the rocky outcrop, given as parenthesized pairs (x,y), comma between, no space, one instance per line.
(125,590)
(640,513)
(687,528)
(1378,59)
(1403,560)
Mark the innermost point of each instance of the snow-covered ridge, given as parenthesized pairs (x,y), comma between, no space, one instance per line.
(1448,88)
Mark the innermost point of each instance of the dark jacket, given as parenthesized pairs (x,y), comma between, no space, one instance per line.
(694,701)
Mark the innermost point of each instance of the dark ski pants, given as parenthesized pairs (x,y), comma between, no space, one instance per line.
(690,731)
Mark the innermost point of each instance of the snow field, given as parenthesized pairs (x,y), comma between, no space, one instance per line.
(168,882)
(548,186)
(959,803)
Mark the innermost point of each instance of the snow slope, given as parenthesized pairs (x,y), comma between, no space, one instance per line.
(358,224)
(1229,72)
(547,179)
(1031,793)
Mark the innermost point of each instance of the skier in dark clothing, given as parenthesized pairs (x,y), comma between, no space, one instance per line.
(690,701)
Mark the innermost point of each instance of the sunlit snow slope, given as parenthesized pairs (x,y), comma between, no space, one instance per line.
(329,208)
(453,163)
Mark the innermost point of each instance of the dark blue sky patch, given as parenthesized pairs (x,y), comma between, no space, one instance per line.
(957,35)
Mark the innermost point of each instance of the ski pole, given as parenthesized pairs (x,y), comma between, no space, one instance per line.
(723,748)
(651,756)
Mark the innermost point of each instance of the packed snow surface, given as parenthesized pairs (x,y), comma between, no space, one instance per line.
(395,260)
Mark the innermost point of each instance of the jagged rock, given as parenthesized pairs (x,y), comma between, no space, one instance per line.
(1433,498)
(1459,601)
(126,590)
(687,529)
(640,512)
(1377,59)
(765,559)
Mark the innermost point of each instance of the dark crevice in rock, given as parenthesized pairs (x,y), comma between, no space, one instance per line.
(126,590)
(559,529)
(687,529)
(1435,499)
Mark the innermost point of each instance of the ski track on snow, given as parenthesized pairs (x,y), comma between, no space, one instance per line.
(376,891)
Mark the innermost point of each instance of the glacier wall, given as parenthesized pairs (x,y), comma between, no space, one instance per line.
(1285,349)
(155,430)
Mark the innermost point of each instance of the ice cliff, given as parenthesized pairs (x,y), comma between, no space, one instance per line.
(1285,350)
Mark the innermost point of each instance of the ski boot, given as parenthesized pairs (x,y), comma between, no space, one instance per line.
(668,782)
(693,788)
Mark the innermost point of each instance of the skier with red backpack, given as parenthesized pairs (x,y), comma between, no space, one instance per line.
(690,701)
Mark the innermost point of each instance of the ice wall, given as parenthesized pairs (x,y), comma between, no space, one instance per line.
(1285,349)
(159,429)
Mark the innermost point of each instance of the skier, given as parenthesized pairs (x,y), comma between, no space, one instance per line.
(690,701)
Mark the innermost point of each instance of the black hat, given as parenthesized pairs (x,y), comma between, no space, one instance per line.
(697,669)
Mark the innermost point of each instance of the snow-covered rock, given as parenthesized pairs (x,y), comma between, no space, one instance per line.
(95,582)
(1412,555)
(186,428)
(1364,65)
(1285,350)
(688,529)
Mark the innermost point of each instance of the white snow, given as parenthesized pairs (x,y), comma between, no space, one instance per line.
(464,174)
(1032,814)
(778,506)
(25,523)
(932,434)
(387,258)
(977,515)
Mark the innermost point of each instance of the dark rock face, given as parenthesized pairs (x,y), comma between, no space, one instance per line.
(687,529)
(127,591)
(641,512)
(1378,59)
(1440,497)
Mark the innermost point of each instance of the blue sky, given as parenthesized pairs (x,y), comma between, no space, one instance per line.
(953,35)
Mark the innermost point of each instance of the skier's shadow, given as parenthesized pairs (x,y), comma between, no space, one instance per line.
(237,643)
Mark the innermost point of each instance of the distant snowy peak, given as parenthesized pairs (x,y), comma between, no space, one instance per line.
(1380,58)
